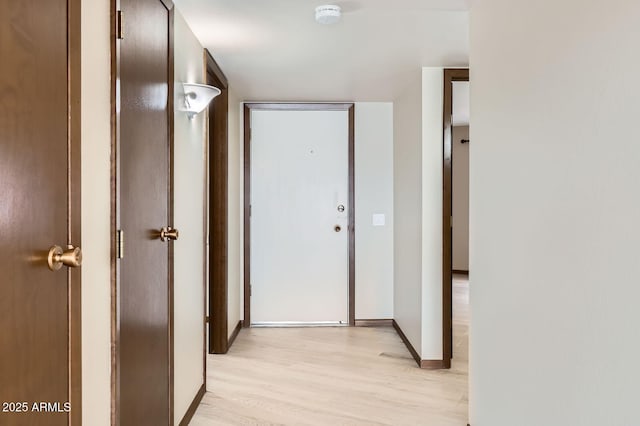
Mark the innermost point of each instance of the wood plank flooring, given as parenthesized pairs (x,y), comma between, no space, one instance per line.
(335,376)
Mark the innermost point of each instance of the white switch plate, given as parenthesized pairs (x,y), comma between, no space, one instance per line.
(378,220)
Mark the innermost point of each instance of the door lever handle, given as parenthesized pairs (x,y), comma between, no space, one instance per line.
(72,257)
(168,233)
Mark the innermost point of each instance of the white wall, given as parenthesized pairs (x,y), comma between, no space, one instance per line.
(96,201)
(374,195)
(460,201)
(407,205)
(432,136)
(189,210)
(234,213)
(554,213)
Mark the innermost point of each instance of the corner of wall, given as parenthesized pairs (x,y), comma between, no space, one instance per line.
(189,209)
(432,136)
(234,300)
(96,219)
(407,206)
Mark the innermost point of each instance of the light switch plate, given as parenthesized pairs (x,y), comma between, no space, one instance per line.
(378,219)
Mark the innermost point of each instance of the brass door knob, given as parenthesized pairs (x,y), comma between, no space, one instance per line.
(169,233)
(71,257)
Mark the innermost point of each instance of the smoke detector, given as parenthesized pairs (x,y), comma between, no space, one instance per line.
(328,14)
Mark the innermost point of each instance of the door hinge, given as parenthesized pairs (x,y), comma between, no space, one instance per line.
(451,221)
(250,210)
(250,290)
(120,243)
(119,25)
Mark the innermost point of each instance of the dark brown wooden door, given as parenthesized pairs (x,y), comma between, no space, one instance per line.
(39,173)
(144,195)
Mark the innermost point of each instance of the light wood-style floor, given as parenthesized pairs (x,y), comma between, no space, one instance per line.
(335,376)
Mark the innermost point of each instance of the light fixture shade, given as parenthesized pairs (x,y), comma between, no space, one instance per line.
(197,97)
(328,14)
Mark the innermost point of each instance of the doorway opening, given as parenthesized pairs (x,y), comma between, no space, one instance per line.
(455,215)
(316,219)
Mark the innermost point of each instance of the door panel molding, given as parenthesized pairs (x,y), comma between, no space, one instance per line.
(248,108)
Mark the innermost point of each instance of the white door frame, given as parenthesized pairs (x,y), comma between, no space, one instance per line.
(248,107)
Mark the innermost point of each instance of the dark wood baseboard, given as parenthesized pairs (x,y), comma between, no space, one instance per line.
(407,343)
(233,336)
(435,364)
(374,323)
(427,364)
(460,272)
(194,406)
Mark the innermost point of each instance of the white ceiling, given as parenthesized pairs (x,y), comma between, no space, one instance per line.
(274,50)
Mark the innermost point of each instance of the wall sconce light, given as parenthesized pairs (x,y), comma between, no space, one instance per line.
(197,97)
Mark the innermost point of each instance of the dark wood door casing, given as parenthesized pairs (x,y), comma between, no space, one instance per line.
(142,381)
(40,207)
(450,75)
(218,209)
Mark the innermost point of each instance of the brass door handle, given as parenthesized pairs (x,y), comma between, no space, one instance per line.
(71,257)
(169,233)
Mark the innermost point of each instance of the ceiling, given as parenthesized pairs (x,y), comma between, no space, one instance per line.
(273,50)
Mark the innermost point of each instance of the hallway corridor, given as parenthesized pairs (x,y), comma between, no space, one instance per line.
(335,375)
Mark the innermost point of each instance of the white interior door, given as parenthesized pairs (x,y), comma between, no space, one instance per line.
(299,216)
